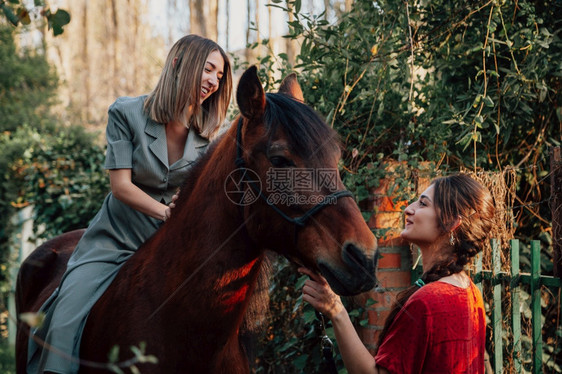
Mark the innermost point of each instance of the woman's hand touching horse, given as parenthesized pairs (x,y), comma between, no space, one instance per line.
(356,357)
(172,205)
(318,293)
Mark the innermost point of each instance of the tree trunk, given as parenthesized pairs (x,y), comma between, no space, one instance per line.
(269,23)
(197,17)
(269,38)
(85,63)
(203,16)
(248,22)
(212,29)
(132,47)
(327,7)
(290,46)
(257,26)
(227,36)
(171,10)
(114,35)
(105,52)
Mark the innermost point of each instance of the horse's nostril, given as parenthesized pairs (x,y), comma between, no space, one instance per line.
(353,255)
(361,266)
(355,258)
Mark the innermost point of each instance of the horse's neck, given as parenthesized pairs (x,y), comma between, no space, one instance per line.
(204,247)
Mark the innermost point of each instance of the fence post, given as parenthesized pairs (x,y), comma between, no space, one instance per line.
(497,309)
(536,305)
(556,207)
(478,275)
(515,286)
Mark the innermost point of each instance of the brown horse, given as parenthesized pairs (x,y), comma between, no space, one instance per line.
(185,292)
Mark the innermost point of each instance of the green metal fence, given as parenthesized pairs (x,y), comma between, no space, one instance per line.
(512,282)
(515,279)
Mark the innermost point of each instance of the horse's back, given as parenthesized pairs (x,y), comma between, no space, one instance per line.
(39,275)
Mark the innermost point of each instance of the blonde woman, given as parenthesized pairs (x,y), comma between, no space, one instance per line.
(151,142)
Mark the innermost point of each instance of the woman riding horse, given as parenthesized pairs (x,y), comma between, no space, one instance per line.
(152,141)
(185,293)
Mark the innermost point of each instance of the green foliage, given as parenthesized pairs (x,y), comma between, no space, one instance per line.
(476,90)
(60,172)
(9,187)
(64,180)
(292,342)
(7,362)
(27,89)
(129,365)
(27,85)
(449,83)
(445,84)
(18,11)
(57,169)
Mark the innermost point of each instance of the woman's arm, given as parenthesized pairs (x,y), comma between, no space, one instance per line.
(125,190)
(356,357)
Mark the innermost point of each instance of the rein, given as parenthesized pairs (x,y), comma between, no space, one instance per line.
(298,221)
(327,347)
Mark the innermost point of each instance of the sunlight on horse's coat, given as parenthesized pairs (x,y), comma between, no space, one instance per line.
(233,286)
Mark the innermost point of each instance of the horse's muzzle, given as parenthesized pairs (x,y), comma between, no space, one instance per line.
(358,274)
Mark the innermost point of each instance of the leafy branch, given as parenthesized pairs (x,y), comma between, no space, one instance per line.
(16,12)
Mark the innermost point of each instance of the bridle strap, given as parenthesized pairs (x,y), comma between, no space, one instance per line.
(239,162)
(298,221)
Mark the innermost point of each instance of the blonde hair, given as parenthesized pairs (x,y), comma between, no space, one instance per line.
(179,87)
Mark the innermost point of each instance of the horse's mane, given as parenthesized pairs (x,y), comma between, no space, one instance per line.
(308,135)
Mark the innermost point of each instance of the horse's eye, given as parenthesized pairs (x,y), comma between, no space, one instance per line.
(281,162)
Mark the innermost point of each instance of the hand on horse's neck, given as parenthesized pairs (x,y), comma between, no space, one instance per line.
(176,136)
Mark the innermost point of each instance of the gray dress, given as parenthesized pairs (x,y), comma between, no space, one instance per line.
(134,142)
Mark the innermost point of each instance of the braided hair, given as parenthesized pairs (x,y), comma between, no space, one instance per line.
(454,196)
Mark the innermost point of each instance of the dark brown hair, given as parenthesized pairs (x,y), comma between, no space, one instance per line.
(454,196)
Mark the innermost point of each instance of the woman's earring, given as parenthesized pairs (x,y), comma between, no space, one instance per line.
(452,239)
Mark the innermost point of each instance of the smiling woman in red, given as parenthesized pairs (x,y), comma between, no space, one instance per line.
(437,325)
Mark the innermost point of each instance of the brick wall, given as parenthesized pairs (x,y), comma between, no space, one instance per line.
(393,275)
(395,264)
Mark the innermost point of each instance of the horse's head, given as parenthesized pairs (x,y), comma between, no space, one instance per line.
(295,202)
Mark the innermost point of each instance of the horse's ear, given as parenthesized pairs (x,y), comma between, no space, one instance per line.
(290,86)
(250,95)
